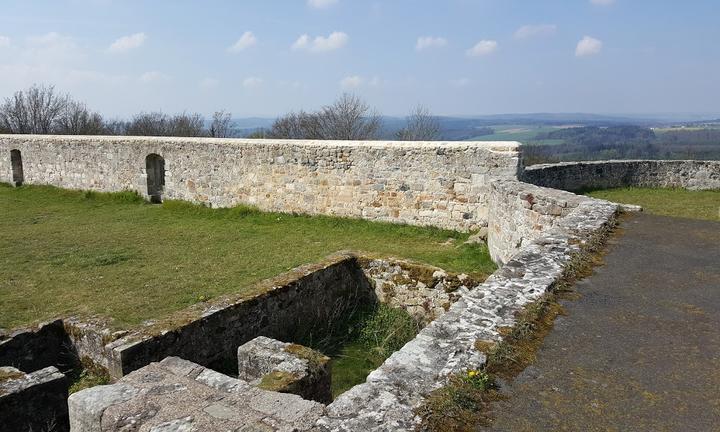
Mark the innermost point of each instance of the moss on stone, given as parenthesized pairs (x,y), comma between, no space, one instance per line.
(280,381)
(315,358)
(6,375)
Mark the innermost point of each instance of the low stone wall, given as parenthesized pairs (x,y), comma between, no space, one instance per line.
(444,184)
(578,176)
(424,291)
(37,348)
(521,212)
(289,308)
(387,400)
(34,401)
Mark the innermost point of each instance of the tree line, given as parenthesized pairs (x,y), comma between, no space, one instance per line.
(41,109)
(623,142)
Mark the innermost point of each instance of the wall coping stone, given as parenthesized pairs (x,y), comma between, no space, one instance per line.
(499,146)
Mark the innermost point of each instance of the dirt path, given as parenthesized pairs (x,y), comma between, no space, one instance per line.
(640,349)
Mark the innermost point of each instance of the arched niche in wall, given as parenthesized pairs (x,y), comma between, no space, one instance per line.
(155,169)
(17,167)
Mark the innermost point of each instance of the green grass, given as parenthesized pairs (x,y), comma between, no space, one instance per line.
(519,132)
(70,252)
(683,203)
(371,338)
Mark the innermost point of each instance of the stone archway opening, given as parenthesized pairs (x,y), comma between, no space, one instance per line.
(155,169)
(17,167)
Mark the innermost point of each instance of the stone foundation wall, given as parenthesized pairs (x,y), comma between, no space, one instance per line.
(577,176)
(444,184)
(291,307)
(36,348)
(36,401)
(424,291)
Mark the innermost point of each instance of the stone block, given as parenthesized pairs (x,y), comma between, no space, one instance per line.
(178,395)
(286,368)
(34,401)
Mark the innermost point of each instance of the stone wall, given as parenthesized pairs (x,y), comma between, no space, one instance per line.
(36,348)
(290,308)
(424,291)
(577,176)
(444,184)
(521,212)
(33,402)
(388,399)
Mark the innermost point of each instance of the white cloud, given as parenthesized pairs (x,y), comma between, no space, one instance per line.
(209,83)
(588,46)
(4,41)
(351,82)
(51,49)
(153,76)
(529,31)
(247,40)
(602,2)
(334,41)
(127,43)
(425,42)
(460,82)
(482,48)
(321,4)
(252,82)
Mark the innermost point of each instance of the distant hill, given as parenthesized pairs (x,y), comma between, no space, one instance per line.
(473,127)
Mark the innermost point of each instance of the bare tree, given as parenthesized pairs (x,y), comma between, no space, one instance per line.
(117,127)
(76,119)
(149,124)
(300,125)
(221,126)
(161,124)
(348,118)
(421,126)
(187,125)
(33,111)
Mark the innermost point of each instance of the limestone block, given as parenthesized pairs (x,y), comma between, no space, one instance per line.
(286,368)
(180,396)
(34,401)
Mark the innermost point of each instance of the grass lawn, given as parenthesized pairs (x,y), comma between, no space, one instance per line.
(667,202)
(71,252)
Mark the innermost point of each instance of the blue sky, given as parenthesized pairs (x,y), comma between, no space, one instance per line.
(458,57)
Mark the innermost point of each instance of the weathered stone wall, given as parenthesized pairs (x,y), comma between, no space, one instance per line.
(424,291)
(31,349)
(444,184)
(388,399)
(290,308)
(521,212)
(577,176)
(34,401)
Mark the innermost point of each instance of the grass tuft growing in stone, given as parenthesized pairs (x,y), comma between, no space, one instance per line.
(364,341)
(68,252)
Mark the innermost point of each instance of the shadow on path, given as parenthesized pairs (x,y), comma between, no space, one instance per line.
(640,349)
